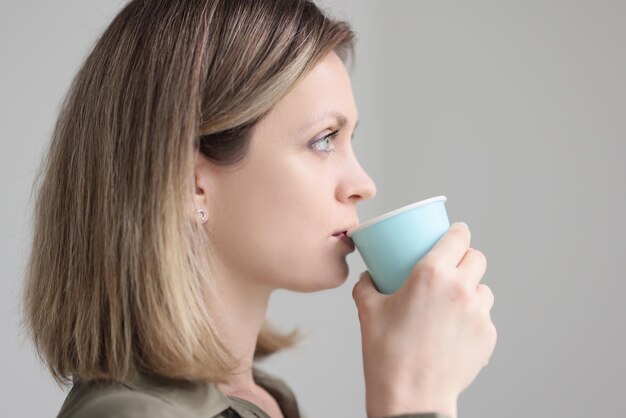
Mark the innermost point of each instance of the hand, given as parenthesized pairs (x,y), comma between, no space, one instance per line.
(424,344)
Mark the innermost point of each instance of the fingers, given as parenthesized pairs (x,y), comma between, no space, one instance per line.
(363,288)
(471,269)
(364,291)
(486,295)
(451,248)
(473,266)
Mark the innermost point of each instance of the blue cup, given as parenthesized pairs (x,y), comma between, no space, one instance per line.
(391,244)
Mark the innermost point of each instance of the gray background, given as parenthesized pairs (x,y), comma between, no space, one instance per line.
(516,111)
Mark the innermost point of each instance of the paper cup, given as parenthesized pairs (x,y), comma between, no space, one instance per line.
(391,244)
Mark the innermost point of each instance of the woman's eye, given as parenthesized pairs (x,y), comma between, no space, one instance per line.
(323,143)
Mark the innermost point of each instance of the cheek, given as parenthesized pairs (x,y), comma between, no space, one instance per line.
(289,195)
(277,228)
(260,207)
(288,212)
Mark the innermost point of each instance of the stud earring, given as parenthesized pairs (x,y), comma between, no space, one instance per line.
(202,214)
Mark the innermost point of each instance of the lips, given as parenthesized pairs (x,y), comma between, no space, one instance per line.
(346,228)
(347,240)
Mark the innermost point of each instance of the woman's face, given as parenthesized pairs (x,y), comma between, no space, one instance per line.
(273,216)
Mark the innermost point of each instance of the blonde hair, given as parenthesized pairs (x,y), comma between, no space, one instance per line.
(119,276)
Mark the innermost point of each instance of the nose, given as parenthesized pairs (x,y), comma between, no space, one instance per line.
(356,184)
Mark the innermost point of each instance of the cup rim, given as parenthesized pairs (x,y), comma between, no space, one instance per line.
(395,212)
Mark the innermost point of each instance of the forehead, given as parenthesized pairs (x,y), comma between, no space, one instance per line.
(325,89)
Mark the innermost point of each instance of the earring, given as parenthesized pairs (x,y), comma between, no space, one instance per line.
(202,214)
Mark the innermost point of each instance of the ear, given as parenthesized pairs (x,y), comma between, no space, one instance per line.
(203,177)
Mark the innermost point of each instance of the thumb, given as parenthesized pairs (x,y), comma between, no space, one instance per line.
(364,290)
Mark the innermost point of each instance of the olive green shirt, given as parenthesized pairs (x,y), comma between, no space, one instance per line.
(151,397)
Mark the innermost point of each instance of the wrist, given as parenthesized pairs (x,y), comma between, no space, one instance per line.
(388,405)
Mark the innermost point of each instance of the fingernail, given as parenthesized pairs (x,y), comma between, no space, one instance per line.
(463,224)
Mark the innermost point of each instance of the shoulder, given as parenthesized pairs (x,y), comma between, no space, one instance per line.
(144,399)
(121,404)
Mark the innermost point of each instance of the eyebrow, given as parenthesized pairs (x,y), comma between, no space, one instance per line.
(341,119)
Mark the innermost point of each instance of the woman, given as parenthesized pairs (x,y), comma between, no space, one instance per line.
(202,159)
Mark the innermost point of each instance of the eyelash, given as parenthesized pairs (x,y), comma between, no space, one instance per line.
(330,136)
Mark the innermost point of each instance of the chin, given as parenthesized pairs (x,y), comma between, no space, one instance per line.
(322,281)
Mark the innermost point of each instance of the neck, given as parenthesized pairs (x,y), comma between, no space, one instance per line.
(245,307)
